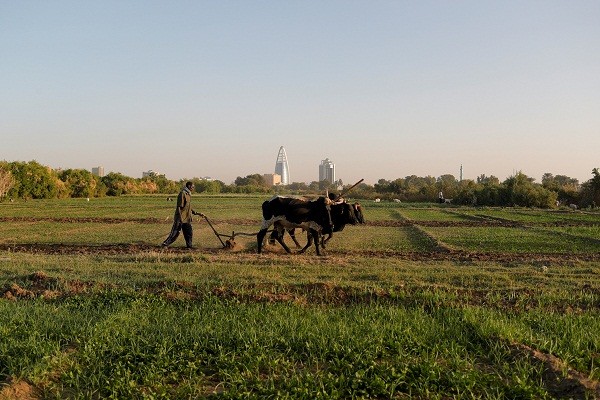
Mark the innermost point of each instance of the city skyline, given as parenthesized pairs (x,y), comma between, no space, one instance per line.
(102,171)
(386,89)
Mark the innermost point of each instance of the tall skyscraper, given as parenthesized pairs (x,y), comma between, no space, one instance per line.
(281,167)
(327,171)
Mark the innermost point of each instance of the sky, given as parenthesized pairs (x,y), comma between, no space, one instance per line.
(384,89)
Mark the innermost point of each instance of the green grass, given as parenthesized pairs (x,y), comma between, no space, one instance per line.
(373,318)
(433,215)
(138,346)
(222,206)
(535,216)
(513,240)
(591,232)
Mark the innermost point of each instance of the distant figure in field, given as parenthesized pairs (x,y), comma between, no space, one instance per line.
(182,221)
(441,197)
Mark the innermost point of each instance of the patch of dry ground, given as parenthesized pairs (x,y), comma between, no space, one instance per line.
(441,254)
(17,390)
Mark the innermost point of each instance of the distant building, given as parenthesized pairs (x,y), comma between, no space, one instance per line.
(281,167)
(327,171)
(98,171)
(151,174)
(272,179)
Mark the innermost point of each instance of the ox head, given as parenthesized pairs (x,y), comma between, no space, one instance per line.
(358,212)
(343,213)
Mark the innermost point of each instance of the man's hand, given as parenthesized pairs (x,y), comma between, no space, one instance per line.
(197,213)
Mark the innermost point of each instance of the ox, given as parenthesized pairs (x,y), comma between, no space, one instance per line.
(288,213)
(342,213)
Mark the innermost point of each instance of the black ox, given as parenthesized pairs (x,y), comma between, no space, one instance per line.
(289,213)
(342,213)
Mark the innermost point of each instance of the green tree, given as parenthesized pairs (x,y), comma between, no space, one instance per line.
(590,195)
(165,185)
(383,186)
(417,188)
(33,181)
(118,184)
(568,189)
(298,186)
(466,192)
(251,180)
(79,182)
(208,186)
(448,185)
(483,179)
(520,190)
(489,194)
(557,182)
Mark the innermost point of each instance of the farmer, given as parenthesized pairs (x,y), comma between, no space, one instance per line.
(182,221)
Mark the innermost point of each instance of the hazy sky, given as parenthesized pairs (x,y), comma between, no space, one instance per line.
(384,89)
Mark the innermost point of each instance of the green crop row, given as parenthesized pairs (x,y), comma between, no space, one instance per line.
(121,346)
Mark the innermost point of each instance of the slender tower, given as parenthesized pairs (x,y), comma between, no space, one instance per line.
(281,167)
(327,171)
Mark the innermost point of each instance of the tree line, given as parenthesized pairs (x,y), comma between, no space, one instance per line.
(31,180)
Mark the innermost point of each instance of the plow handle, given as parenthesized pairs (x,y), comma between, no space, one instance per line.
(214,230)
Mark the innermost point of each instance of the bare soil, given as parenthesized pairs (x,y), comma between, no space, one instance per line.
(440,254)
(490,222)
(17,390)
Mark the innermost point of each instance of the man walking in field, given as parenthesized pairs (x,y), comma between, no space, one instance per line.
(182,221)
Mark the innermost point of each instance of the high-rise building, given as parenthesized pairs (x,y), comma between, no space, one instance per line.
(327,171)
(281,167)
(98,171)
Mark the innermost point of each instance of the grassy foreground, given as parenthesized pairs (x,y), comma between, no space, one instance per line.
(419,303)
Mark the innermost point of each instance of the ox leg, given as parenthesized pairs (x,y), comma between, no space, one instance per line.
(292,233)
(260,236)
(315,236)
(309,241)
(273,237)
(278,233)
(282,243)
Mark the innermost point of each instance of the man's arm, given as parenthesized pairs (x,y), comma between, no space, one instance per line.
(180,203)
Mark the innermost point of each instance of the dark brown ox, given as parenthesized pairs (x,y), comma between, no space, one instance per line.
(342,213)
(290,213)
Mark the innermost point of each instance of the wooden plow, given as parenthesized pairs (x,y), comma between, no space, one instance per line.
(230,242)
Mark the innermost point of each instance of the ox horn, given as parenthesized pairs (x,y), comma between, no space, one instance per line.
(328,201)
